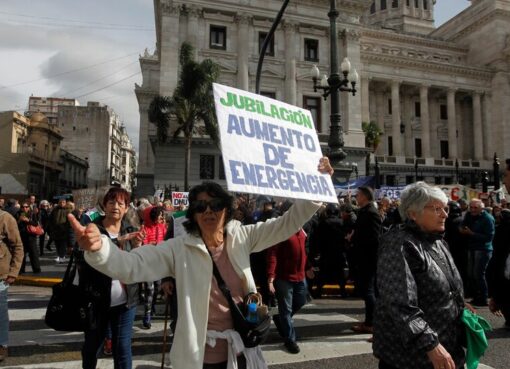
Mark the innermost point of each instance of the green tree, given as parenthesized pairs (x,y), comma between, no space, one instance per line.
(191,102)
(372,134)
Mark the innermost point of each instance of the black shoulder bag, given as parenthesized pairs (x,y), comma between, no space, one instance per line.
(252,334)
(70,308)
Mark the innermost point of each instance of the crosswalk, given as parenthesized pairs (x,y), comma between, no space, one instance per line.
(323,328)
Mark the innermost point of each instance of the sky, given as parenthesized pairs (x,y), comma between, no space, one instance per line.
(88,50)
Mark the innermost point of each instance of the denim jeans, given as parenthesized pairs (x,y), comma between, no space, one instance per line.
(4,315)
(477,265)
(121,321)
(291,297)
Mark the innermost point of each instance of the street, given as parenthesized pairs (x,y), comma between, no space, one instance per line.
(323,327)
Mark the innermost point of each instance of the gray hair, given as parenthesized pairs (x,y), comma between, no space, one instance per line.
(416,196)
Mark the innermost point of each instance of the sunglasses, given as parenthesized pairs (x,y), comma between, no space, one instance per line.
(200,206)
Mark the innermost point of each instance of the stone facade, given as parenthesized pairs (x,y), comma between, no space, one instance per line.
(95,133)
(29,155)
(440,96)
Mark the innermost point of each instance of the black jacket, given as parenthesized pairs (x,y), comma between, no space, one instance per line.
(417,307)
(499,286)
(98,284)
(366,238)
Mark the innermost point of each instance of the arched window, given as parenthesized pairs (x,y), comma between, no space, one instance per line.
(372,8)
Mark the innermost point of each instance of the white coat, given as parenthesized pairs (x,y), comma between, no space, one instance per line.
(187,260)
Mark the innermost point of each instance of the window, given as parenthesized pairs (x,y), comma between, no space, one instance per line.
(417,147)
(206,166)
(383,4)
(443,111)
(416,5)
(390,107)
(372,8)
(221,174)
(409,179)
(394,4)
(270,47)
(311,49)
(444,149)
(269,94)
(218,37)
(437,180)
(417,109)
(390,180)
(448,180)
(313,104)
(425,4)
(390,146)
(408,2)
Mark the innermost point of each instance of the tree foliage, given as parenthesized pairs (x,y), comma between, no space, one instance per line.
(372,134)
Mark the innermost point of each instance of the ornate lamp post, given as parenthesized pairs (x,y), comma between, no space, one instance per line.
(495,167)
(332,85)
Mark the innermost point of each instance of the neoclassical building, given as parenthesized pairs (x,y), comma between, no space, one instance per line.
(440,96)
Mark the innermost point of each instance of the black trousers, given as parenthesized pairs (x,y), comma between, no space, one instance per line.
(241,364)
(383,365)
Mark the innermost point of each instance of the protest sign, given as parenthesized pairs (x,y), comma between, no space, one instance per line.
(269,147)
(87,198)
(179,198)
(179,217)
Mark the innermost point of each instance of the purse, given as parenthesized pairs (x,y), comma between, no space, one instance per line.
(253,332)
(35,230)
(71,308)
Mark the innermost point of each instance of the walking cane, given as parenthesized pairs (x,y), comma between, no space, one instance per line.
(165,332)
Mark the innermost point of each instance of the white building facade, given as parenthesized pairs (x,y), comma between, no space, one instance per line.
(440,96)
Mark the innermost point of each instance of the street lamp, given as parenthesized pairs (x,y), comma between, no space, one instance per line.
(495,167)
(332,85)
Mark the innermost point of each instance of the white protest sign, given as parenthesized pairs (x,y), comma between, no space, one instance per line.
(179,198)
(179,218)
(269,147)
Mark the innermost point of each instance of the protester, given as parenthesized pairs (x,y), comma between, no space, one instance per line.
(59,230)
(11,249)
(117,300)
(457,241)
(44,214)
(27,217)
(365,240)
(203,309)
(420,299)
(478,228)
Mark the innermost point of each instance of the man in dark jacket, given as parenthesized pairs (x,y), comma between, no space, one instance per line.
(365,241)
(456,241)
(478,227)
(60,230)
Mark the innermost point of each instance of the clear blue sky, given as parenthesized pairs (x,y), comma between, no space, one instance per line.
(446,9)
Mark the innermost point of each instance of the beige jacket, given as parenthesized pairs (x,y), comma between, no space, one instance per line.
(186,258)
(11,247)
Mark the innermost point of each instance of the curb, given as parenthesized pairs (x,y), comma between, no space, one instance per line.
(37,281)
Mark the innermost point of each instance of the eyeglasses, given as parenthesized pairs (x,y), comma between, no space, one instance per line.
(438,209)
(200,206)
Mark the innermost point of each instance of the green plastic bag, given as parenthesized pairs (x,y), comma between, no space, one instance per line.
(476,326)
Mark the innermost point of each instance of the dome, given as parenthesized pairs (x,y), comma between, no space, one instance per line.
(39,118)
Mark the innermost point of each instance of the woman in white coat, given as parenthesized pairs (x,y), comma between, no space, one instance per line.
(212,232)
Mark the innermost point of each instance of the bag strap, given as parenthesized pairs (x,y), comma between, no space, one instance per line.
(70,270)
(219,279)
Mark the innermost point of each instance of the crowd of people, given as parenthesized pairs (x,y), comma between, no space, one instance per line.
(415,262)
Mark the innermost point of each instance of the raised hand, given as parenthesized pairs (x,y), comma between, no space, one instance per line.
(136,238)
(89,237)
(325,166)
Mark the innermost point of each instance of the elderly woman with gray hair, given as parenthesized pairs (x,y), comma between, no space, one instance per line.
(417,321)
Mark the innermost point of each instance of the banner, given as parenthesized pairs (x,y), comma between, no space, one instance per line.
(179,198)
(179,217)
(269,147)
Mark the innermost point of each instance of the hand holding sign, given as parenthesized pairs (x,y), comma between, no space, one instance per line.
(325,166)
(89,237)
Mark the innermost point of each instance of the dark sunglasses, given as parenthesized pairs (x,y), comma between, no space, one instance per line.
(200,206)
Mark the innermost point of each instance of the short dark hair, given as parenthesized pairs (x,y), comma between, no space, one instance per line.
(116,193)
(155,212)
(368,192)
(214,190)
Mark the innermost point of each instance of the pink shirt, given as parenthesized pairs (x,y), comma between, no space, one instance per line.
(220,318)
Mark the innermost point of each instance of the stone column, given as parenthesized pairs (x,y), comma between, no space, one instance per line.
(488,141)
(477,126)
(290,29)
(193,14)
(395,115)
(169,47)
(243,44)
(452,124)
(381,104)
(365,99)
(425,121)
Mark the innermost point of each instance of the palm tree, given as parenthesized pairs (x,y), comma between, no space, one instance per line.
(191,102)
(372,134)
